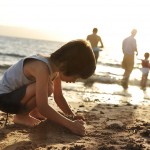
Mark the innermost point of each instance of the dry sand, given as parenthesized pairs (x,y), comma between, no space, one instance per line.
(115,120)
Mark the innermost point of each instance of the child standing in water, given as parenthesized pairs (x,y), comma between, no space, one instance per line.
(26,86)
(145,70)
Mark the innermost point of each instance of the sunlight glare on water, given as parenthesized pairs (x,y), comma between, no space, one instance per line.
(115,94)
(137,95)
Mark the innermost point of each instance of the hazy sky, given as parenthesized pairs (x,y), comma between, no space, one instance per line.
(65,20)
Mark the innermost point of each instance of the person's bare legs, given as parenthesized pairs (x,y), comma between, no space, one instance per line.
(125,78)
(29,101)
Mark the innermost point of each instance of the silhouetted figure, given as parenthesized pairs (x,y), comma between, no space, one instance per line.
(94,39)
(129,47)
(145,70)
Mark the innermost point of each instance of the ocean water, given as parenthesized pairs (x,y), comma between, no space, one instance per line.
(108,67)
(105,81)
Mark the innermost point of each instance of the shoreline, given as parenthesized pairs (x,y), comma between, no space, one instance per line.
(115,119)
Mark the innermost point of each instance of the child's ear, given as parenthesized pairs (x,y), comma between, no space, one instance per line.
(62,67)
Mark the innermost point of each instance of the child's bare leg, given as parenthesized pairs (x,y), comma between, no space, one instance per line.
(35,113)
(29,102)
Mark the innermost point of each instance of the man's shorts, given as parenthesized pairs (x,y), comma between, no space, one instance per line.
(128,62)
(11,102)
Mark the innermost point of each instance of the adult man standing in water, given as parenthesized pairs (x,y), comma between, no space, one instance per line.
(129,47)
(94,39)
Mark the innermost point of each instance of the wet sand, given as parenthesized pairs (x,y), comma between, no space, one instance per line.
(115,120)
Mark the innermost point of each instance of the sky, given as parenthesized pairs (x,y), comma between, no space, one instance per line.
(63,20)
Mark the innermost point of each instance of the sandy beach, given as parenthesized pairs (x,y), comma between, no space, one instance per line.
(115,120)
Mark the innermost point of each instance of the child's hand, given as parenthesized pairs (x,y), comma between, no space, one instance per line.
(77,127)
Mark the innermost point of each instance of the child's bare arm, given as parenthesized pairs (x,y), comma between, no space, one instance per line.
(62,103)
(59,98)
(47,111)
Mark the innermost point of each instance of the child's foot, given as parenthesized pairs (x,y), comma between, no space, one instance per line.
(35,113)
(26,120)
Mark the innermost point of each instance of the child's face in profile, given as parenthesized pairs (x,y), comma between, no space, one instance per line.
(68,78)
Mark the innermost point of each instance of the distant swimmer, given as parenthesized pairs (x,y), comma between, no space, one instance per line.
(94,39)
